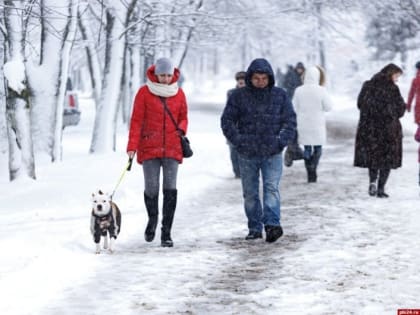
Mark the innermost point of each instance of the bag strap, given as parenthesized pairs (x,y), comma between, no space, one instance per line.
(162,99)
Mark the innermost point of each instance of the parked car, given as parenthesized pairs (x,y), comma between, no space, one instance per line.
(71,112)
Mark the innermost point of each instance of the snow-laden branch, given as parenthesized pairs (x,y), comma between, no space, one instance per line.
(151,17)
(14,71)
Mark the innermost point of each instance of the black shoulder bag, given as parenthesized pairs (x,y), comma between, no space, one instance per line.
(185,143)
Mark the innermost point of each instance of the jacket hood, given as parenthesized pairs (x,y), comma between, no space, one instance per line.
(152,76)
(260,65)
(312,76)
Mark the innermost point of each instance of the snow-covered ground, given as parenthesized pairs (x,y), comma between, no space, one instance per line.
(343,252)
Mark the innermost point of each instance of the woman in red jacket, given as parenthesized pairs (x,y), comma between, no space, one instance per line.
(155,139)
(415,91)
(417,137)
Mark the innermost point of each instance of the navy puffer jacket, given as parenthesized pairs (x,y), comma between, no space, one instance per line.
(259,122)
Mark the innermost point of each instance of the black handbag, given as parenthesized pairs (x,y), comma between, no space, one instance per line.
(185,142)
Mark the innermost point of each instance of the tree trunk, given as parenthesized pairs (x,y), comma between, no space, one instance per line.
(321,46)
(125,85)
(114,83)
(3,122)
(48,94)
(92,54)
(67,43)
(103,138)
(21,154)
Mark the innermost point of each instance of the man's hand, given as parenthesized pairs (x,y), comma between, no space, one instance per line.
(131,154)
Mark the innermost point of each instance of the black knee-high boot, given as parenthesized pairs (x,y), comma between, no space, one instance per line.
(316,156)
(383,177)
(152,207)
(311,171)
(169,206)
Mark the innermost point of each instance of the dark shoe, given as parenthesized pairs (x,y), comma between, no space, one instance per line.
(149,233)
(312,176)
(372,189)
(310,171)
(253,235)
(149,236)
(166,242)
(381,193)
(273,233)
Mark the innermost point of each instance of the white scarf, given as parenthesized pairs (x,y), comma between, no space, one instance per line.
(160,89)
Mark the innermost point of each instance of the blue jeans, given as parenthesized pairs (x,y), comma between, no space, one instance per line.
(271,169)
(312,156)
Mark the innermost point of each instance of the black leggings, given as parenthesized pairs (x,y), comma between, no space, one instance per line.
(383,176)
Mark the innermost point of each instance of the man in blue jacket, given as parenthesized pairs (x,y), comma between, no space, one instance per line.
(259,121)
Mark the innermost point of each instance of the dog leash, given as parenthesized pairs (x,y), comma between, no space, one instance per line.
(127,168)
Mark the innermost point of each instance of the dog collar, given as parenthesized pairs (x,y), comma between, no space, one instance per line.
(101,217)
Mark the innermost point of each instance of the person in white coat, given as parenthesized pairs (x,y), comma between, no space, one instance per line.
(311,101)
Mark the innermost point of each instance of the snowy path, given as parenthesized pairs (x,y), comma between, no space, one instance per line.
(343,252)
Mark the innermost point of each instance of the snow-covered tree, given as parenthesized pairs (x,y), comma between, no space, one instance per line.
(18,106)
(3,123)
(389,32)
(57,27)
(103,138)
(38,39)
(89,26)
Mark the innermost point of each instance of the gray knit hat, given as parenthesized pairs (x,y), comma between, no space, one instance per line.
(164,66)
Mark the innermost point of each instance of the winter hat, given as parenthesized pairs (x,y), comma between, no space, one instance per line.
(418,64)
(164,66)
(240,75)
(300,65)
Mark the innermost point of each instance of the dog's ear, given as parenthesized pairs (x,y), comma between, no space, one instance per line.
(100,192)
(93,195)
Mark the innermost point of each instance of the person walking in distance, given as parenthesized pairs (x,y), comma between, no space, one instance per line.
(240,82)
(259,121)
(417,138)
(414,94)
(311,101)
(155,140)
(293,79)
(378,144)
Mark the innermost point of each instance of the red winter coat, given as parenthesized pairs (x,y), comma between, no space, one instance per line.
(415,91)
(417,137)
(152,132)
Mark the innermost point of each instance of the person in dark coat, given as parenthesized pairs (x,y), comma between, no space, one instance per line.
(280,76)
(379,133)
(259,121)
(240,82)
(292,80)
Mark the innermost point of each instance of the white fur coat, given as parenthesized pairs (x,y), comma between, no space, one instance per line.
(311,101)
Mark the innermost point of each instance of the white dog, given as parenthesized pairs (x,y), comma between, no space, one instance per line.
(105,220)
